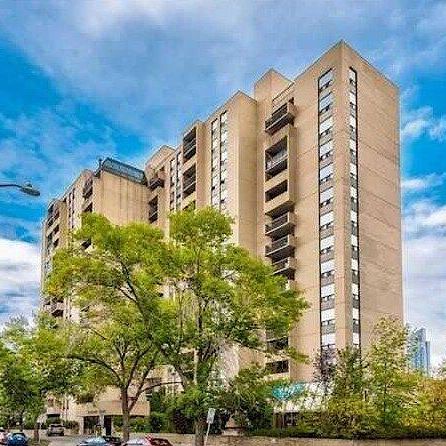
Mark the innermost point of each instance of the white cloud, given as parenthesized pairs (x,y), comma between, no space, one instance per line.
(20,276)
(424,265)
(421,121)
(154,65)
(423,183)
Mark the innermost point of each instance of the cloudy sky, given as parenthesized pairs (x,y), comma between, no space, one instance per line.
(84,79)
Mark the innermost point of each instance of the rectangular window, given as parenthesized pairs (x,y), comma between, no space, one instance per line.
(352,144)
(327,195)
(327,266)
(354,240)
(356,338)
(353,169)
(353,192)
(326,125)
(352,98)
(328,339)
(325,149)
(327,242)
(327,290)
(326,79)
(326,219)
(355,313)
(326,172)
(327,315)
(352,122)
(355,265)
(325,101)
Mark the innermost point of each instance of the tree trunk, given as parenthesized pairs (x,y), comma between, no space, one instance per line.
(200,429)
(36,431)
(125,416)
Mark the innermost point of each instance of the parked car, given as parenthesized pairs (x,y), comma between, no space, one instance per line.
(55,429)
(148,441)
(114,441)
(17,439)
(3,436)
(94,441)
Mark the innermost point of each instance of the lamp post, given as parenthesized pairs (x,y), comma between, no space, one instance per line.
(26,188)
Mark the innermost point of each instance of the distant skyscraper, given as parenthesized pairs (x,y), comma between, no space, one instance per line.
(421,356)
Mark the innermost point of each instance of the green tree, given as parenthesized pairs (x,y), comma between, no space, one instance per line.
(220,296)
(110,340)
(390,380)
(347,405)
(32,370)
(248,398)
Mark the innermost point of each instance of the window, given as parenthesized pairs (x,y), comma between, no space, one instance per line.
(327,290)
(328,339)
(327,266)
(326,196)
(326,149)
(326,79)
(328,315)
(326,125)
(327,243)
(277,367)
(355,289)
(326,173)
(355,265)
(354,240)
(327,219)
(325,102)
(355,313)
(352,122)
(352,98)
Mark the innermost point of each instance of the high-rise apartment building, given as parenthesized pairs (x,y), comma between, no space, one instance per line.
(119,192)
(309,170)
(421,352)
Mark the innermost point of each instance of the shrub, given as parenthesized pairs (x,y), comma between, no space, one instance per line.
(158,422)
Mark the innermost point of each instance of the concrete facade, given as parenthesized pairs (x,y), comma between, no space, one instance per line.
(309,170)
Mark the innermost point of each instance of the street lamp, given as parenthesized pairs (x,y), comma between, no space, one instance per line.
(26,188)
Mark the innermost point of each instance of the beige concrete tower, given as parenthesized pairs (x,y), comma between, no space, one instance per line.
(119,192)
(309,170)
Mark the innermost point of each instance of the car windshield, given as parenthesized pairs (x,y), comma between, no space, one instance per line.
(97,440)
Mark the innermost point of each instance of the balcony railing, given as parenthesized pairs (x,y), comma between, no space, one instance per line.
(153,215)
(276,163)
(279,118)
(279,246)
(282,224)
(189,149)
(88,188)
(285,267)
(156,181)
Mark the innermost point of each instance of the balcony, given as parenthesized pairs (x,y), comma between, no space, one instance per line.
(189,144)
(189,184)
(280,117)
(57,309)
(276,163)
(280,248)
(189,149)
(281,225)
(87,190)
(276,157)
(157,181)
(285,267)
(153,210)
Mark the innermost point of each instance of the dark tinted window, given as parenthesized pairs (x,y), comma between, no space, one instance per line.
(160,442)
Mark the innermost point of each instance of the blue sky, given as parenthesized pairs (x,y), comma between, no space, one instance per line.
(86,79)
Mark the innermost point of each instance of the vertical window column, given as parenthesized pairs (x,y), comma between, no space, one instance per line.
(219,162)
(326,216)
(353,147)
